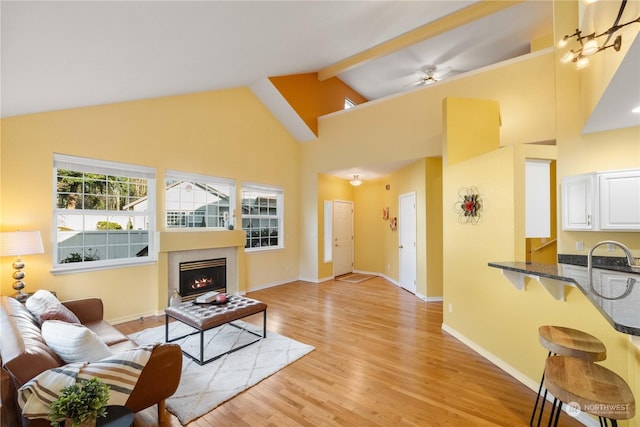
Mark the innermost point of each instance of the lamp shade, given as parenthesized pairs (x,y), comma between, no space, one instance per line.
(18,243)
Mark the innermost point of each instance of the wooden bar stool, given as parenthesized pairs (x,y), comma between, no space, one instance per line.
(588,387)
(566,342)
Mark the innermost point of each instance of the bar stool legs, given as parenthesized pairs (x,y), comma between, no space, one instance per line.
(538,396)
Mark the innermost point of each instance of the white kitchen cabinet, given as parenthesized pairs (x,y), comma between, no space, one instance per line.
(602,201)
(578,207)
(619,196)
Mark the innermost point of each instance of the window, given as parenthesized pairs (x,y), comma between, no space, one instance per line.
(348,103)
(104,212)
(198,201)
(262,217)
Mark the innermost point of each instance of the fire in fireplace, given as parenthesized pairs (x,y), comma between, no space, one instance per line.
(198,277)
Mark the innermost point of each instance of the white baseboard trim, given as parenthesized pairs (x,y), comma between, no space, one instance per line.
(389,279)
(519,376)
(268,285)
(124,319)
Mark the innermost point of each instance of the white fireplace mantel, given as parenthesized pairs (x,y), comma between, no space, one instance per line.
(171,241)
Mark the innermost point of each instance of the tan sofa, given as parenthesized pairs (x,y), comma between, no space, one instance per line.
(25,354)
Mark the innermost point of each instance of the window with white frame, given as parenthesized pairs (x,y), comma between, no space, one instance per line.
(348,103)
(198,201)
(104,213)
(262,217)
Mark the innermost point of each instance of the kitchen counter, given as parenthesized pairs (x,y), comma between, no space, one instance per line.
(614,290)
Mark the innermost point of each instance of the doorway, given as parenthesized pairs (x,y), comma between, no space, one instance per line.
(342,237)
(407,262)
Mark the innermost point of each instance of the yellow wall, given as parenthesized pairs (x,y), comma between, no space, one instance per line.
(434,211)
(472,127)
(487,311)
(225,133)
(369,228)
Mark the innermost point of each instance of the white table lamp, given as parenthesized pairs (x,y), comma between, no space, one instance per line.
(18,243)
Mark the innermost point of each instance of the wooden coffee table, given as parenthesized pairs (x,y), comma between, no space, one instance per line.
(203,317)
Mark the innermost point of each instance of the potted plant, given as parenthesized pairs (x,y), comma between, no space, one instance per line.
(80,404)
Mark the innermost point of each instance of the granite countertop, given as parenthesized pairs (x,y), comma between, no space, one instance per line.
(614,289)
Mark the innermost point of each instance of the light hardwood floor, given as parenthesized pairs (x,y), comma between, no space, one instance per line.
(380,359)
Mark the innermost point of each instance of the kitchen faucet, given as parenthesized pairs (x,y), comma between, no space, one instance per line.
(627,252)
(632,263)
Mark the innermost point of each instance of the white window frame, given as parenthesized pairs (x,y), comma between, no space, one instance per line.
(278,192)
(147,216)
(348,103)
(202,182)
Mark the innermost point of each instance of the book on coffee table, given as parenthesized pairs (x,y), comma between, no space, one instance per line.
(207,298)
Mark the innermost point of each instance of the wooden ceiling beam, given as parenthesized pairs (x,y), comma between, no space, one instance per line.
(462,17)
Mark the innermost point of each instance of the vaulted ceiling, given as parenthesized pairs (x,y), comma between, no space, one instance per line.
(62,54)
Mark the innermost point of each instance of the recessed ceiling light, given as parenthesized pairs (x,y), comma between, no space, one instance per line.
(636,110)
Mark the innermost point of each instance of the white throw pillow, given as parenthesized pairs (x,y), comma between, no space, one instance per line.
(40,301)
(73,342)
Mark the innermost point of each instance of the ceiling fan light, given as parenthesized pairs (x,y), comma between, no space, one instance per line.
(355,181)
(590,47)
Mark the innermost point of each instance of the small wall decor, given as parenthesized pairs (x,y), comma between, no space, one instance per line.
(393,223)
(468,205)
(385,213)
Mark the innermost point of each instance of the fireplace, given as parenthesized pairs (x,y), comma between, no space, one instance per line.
(198,277)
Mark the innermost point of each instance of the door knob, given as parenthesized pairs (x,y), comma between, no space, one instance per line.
(400,246)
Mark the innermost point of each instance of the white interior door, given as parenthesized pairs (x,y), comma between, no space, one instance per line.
(342,237)
(407,242)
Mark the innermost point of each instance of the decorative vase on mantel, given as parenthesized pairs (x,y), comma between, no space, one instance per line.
(175,299)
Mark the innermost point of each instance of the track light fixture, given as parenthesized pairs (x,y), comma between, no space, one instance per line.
(588,45)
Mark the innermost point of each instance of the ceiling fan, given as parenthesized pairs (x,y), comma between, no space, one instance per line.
(431,75)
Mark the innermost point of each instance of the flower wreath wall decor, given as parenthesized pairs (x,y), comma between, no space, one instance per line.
(468,205)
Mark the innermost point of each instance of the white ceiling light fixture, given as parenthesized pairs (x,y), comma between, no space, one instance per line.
(356,181)
(588,44)
(636,110)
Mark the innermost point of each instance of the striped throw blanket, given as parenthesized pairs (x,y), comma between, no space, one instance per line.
(120,372)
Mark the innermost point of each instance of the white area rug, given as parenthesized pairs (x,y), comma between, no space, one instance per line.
(202,388)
